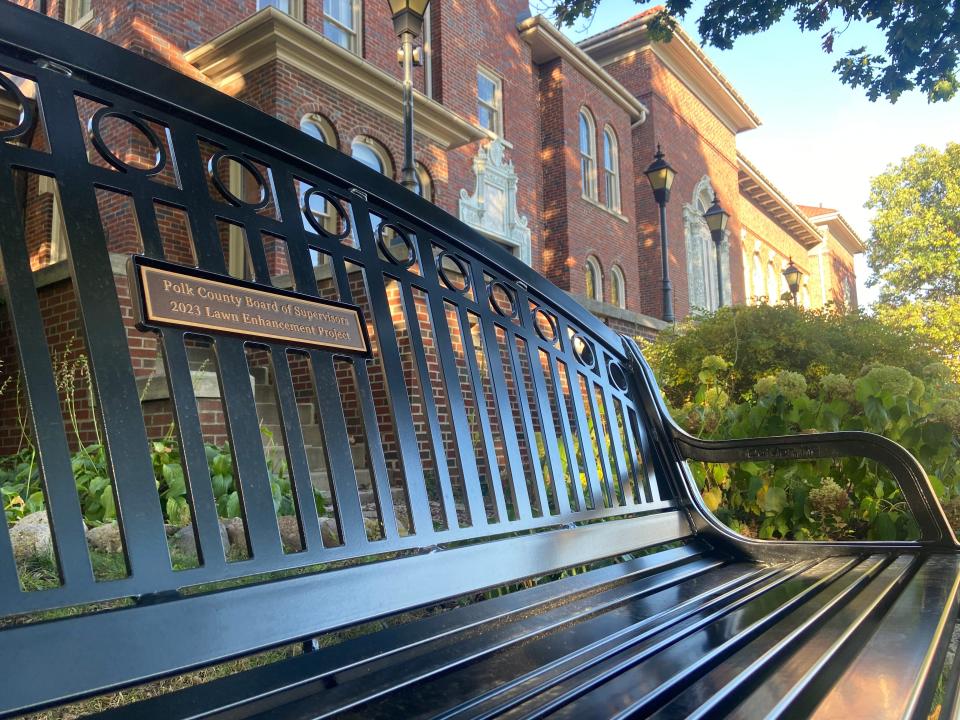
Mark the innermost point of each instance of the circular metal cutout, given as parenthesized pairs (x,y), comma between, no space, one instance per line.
(617,376)
(315,222)
(398,243)
(583,350)
(501,300)
(453,272)
(96,137)
(26,112)
(545,326)
(213,167)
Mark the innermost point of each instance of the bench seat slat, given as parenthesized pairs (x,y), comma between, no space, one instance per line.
(899,659)
(676,634)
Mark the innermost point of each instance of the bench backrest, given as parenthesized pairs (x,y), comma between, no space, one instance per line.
(490,406)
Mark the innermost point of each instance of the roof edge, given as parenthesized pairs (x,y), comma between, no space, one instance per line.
(273,35)
(547,42)
(767,187)
(685,57)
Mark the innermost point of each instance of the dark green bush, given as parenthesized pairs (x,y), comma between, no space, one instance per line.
(765,339)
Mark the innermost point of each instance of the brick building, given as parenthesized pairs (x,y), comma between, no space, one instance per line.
(537,142)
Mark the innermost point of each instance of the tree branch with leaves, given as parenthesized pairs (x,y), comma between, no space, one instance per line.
(921,50)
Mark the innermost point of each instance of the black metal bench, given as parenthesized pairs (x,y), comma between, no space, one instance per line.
(569,460)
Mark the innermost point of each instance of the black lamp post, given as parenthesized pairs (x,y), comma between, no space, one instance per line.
(792,275)
(408,24)
(661,176)
(717,218)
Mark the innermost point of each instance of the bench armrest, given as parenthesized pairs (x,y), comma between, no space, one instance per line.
(906,470)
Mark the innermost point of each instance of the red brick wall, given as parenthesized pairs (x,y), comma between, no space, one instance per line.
(695,143)
(590,228)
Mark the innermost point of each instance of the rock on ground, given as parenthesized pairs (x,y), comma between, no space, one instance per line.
(184,542)
(31,536)
(105,538)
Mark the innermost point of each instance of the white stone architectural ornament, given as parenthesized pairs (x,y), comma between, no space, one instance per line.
(492,209)
(701,252)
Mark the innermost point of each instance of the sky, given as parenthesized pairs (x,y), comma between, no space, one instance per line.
(820,141)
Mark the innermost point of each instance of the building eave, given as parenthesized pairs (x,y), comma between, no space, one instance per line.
(271,35)
(548,43)
(764,194)
(842,231)
(685,58)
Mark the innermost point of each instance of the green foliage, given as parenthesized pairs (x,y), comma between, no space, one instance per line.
(914,248)
(765,339)
(20,486)
(825,498)
(922,48)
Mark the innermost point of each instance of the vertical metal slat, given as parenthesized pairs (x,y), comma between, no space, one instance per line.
(60,492)
(436,436)
(296,452)
(192,451)
(138,505)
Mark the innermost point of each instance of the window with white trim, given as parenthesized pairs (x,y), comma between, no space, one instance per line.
(490,101)
(341,23)
(618,287)
(424,186)
(758,283)
(773,282)
(77,12)
(588,155)
(372,154)
(593,279)
(611,170)
(427,50)
(319,128)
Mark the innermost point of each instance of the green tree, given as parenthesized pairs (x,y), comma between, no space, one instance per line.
(922,48)
(914,247)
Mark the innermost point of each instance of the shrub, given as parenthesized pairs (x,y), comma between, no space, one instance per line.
(825,498)
(765,339)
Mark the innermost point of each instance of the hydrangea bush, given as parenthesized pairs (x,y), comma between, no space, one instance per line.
(826,498)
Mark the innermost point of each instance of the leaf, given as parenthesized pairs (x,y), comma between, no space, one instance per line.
(233,505)
(712,498)
(885,527)
(774,500)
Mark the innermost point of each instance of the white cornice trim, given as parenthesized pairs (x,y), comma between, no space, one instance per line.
(272,35)
(685,59)
(548,43)
(841,230)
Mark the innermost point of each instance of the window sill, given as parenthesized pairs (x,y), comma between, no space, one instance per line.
(493,136)
(597,204)
(83,21)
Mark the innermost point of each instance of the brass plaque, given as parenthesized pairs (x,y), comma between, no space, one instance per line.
(183,297)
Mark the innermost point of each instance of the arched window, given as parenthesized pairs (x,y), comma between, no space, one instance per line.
(611,170)
(318,127)
(593,278)
(702,253)
(618,287)
(372,154)
(759,289)
(424,183)
(588,155)
(773,282)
